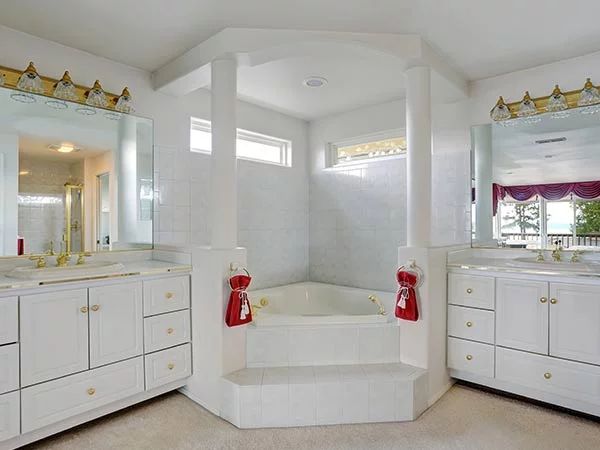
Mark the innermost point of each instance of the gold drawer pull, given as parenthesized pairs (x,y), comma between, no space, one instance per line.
(547,375)
(469,291)
(91,391)
(171,366)
(169,295)
(469,324)
(469,357)
(543,300)
(95,307)
(83,309)
(553,301)
(170,330)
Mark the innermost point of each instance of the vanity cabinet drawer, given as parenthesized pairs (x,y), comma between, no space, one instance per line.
(470,323)
(168,365)
(166,330)
(9,320)
(9,415)
(166,294)
(9,368)
(471,357)
(51,402)
(470,290)
(559,377)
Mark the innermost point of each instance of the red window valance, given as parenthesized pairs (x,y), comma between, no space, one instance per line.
(555,191)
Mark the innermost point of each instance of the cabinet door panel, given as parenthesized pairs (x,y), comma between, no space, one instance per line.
(575,322)
(9,319)
(54,335)
(116,323)
(522,314)
(9,415)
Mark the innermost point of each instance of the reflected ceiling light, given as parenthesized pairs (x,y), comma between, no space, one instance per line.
(65,147)
(315,82)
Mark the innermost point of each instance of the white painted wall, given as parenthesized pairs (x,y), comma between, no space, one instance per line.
(9,178)
(181,178)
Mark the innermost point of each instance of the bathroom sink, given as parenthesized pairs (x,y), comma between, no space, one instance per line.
(565,266)
(88,269)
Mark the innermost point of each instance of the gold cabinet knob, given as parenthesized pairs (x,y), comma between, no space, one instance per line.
(171,366)
(83,309)
(547,375)
(553,301)
(169,295)
(543,300)
(170,330)
(469,291)
(95,307)
(91,391)
(469,357)
(469,324)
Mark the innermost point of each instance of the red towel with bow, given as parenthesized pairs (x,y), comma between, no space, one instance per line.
(406,298)
(238,309)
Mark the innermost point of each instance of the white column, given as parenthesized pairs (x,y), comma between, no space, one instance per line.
(223,177)
(482,148)
(418,133)
(127,203)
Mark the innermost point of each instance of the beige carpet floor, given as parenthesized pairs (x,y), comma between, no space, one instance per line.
(464,418)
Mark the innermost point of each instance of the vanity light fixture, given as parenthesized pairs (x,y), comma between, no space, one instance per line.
(124,102)
(500,111)
(315,82)
(589,98)
(29,82)
(527,106)
(2,79)
(557,104)
(64,89)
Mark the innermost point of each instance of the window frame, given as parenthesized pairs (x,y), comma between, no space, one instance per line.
(332,147)
(285,145)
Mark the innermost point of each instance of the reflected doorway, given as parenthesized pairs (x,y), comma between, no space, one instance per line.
(103,212)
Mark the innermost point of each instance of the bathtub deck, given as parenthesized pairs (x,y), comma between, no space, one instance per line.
(323,395)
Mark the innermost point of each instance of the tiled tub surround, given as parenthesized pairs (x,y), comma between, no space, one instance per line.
(323,395)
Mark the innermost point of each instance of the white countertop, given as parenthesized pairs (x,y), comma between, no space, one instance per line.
(128,268)
(491,264)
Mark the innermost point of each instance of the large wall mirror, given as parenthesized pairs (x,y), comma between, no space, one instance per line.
(72,177)
(536,182)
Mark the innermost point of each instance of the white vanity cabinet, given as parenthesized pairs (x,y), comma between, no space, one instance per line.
(522,314)
(116,323)
(54,335)
(71,352)
(547,338)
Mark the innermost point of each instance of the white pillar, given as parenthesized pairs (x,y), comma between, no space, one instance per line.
(482,148)
(223,177)
(128,203)
(418,133)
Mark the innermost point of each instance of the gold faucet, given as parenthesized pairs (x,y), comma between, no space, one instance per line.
(575,257)
(63,259)
(556,255)
(81,257)
(40,261)
(376,300)
(540,256)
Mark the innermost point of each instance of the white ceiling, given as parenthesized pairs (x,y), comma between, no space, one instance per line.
(518,159)
(481,39)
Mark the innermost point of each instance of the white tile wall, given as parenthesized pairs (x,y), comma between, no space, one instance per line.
(322,345)
(357,222)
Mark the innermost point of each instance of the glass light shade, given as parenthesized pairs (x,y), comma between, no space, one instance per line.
(589,95)
(2,79)
(65,89)
(557,101)
(526,107)
(124,102)
(500,111)
(30,81)
(96,96)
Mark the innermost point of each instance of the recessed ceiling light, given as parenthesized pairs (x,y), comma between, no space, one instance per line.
(65,147)
(315,82)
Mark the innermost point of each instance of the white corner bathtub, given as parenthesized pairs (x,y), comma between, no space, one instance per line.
(311,303)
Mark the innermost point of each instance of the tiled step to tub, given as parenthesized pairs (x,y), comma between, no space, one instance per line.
(323,395)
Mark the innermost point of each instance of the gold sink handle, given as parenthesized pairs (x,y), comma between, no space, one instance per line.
(81,257)
(40,261)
